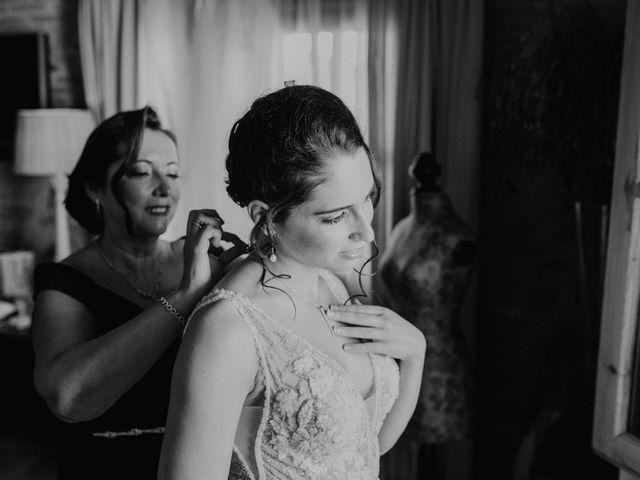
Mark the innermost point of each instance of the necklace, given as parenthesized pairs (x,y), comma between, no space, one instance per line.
(321,308)
(155,296)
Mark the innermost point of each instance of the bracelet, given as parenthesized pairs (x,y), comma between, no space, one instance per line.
(171,309)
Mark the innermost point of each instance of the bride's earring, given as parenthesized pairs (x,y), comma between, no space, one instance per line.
(272,258)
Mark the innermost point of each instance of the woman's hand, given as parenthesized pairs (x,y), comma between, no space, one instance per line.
(204,230)
(204,259)
(385,332)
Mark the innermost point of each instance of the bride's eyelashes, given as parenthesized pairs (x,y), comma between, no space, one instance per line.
(336,219)
(342,215)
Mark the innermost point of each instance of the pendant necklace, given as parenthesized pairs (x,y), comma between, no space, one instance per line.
(154,297)
(321,308)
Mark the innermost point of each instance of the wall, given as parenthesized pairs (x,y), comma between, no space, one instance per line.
(26,215)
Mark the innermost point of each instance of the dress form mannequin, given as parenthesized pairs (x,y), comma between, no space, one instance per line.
(426,270)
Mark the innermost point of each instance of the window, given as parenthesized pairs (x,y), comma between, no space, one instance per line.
(324,43)
(616,433)
(326,59)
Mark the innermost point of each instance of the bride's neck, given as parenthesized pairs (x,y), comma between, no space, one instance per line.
(294,275)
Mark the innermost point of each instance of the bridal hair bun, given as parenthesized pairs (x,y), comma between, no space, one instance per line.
(277,149)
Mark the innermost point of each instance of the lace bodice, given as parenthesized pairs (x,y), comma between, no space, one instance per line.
(314,423)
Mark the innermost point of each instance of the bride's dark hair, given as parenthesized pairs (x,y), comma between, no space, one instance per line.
(277,153)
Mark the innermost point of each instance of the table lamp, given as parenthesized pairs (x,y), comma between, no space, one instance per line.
(48,143)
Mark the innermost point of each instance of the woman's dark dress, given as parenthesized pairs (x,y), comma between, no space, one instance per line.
(83,454)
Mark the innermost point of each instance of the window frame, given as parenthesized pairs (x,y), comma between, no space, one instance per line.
(611,436)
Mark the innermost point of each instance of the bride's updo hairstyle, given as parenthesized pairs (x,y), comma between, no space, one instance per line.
(278,149)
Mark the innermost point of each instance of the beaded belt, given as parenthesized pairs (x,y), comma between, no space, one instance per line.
(134,432)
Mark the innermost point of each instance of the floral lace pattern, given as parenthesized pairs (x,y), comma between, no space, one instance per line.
(315,423)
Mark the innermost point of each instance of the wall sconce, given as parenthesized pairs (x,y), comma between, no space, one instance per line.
(48,143)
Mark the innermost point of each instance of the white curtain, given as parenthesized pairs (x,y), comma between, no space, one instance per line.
(222,61)
(325,43)
(200,63)
(109,47)
(439,51)
(383,83)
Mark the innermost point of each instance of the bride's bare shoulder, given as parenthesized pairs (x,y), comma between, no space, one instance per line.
(243,278)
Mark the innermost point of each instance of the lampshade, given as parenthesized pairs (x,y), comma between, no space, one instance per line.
(49,141)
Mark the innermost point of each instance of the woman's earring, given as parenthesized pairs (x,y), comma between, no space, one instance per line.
(272,257)
(98,209)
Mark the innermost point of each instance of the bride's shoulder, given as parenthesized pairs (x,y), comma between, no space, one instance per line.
(243,278)
(217,316)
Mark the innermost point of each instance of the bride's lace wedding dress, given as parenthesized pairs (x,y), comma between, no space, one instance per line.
(312,422)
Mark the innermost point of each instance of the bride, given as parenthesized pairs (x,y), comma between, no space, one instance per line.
(281,375)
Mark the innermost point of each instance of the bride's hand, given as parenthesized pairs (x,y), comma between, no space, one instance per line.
(385,332)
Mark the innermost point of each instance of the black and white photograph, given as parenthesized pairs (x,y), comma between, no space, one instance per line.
(319,239)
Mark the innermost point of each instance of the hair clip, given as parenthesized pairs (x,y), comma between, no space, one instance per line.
(289,83)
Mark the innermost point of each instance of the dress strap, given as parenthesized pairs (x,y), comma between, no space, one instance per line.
(212,297)
(250,312)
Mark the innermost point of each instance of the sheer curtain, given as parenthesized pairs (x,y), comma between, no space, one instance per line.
(438,46)
(228,57)
(109,52)
(425,63)
(383,84)
(325,43)
(200,63)
(457,100)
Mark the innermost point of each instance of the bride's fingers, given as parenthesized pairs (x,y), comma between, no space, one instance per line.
(360,308)
(366,333)
(366,347)
(355,318)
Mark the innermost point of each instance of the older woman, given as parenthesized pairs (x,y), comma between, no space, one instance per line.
(107,318)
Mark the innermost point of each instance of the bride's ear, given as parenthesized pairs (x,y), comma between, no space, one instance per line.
(257,209)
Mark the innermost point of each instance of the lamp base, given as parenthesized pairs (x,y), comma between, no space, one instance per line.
(62,239)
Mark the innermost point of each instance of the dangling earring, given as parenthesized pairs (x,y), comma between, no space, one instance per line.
(98,209)
(272,258)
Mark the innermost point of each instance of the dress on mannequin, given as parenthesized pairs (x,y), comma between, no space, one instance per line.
(426,270)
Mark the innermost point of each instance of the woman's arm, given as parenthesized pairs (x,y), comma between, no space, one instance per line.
(388,334)
(81,375)
(214,372)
